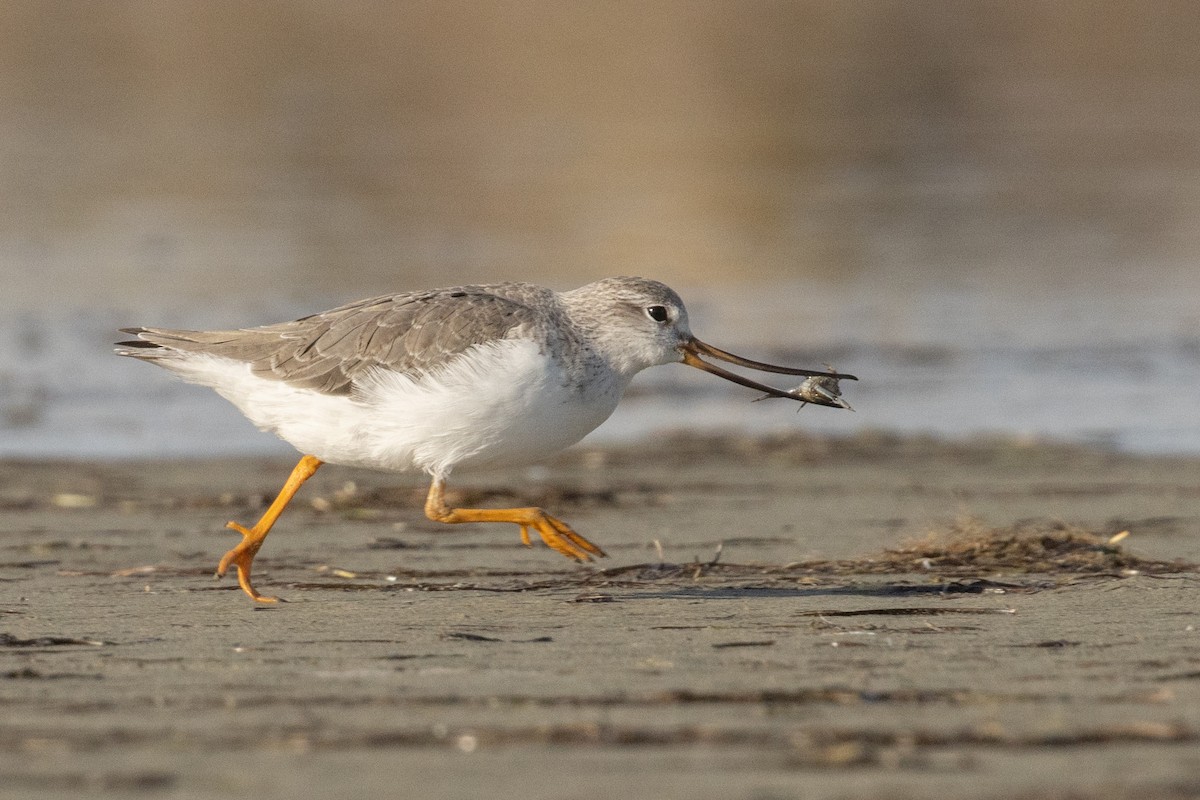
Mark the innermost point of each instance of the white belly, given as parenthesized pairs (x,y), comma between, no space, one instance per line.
(500,403)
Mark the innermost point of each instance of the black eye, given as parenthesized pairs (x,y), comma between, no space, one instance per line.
(657,313)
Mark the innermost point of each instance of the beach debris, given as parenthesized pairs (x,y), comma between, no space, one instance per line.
(594,597)
(74,500)
(9,640)
(820,390)
(1049,546)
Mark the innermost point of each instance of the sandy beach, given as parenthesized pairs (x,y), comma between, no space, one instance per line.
(778,618)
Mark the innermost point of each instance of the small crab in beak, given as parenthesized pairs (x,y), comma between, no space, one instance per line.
(821,388)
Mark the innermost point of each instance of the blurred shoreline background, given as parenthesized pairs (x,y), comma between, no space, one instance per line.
(989,211)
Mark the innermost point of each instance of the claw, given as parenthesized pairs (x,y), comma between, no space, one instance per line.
(559,537)
(242,557)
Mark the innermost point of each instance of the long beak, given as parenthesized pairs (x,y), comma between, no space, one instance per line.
(694,347)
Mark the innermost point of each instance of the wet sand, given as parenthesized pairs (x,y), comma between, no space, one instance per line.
(778,618)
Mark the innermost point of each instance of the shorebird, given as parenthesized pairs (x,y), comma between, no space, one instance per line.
(434,380)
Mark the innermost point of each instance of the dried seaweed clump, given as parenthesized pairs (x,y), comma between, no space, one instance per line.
(969,546)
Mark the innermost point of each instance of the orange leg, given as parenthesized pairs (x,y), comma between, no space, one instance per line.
(554,532)
(252,539)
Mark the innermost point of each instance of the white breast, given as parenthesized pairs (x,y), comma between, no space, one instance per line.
(504,402)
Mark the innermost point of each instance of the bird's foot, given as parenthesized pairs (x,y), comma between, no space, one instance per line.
(559,537)
(242,557)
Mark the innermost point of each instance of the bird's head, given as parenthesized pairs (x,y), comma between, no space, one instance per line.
(641,323)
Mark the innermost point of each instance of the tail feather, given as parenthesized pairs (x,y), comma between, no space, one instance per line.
(136,344)
(156,342)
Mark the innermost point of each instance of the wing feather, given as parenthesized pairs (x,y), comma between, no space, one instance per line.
(409,333)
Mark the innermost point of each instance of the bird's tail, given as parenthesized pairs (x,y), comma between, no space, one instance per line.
(156,343)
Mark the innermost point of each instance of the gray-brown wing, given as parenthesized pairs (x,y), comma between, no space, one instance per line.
(409,333)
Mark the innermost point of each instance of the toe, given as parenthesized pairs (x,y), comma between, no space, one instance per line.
(243,573)
(584,544)
(579,543)
(564,542)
